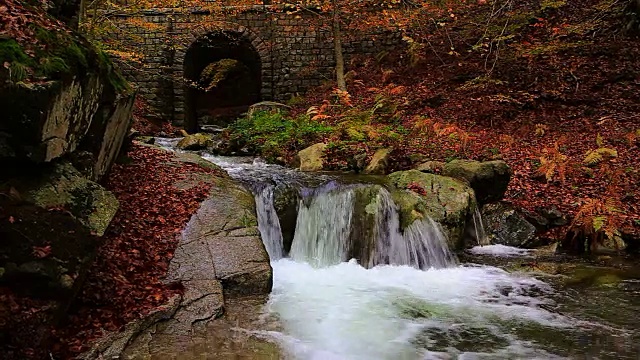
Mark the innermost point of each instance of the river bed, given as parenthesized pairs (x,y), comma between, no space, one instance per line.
(486,305)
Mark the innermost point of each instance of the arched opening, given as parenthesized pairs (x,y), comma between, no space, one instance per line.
(222,71)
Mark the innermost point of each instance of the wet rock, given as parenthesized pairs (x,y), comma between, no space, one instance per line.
(379,163)
(504,225)
(446,200)
(311,158)
(488,179)
(286,200)
(221,242)
(61,185)
(362,237)
(431,167)
(197,141)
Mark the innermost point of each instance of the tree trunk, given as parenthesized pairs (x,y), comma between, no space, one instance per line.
(337,47)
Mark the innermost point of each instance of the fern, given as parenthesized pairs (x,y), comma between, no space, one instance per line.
(598,222)
(553,162)
(541,129)
(594,157)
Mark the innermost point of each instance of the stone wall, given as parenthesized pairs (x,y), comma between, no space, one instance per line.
(294,55)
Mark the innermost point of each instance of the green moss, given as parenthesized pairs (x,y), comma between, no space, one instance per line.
(58,55)
(76,55)
(11,51)
(53,66)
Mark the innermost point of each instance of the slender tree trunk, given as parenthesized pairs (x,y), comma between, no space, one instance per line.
(337,47)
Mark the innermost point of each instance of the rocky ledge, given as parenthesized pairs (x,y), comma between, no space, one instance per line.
(220,257)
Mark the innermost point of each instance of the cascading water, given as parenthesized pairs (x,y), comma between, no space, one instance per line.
(422,244)
(478,228)
(268,223)
(406,299)
(322,228)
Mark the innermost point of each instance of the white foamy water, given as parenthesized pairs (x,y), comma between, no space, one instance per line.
(499,250)
(396,312)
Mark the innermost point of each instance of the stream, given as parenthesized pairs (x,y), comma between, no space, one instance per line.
(410,296)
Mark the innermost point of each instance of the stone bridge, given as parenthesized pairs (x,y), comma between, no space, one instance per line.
(281,54)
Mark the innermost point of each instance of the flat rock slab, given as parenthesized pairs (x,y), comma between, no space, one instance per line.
(220,258)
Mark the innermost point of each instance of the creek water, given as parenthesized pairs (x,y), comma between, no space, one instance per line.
(406,295)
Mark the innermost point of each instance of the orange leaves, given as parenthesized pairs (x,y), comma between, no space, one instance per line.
(343,97)
(126,280)
(416,188)
(553,162)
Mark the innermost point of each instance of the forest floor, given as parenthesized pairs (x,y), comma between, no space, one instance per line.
(537,84)
(551,87)
(126,281)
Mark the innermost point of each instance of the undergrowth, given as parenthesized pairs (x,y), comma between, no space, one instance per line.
(274,134)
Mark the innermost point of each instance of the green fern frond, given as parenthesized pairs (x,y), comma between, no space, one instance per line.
(594,157)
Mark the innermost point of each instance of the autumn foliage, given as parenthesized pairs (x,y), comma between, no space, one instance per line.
(126,281)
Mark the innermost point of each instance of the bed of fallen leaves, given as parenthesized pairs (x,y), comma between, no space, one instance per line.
(148,124)
(566,77)
(126,280)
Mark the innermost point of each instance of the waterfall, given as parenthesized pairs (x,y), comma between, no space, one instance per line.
(324,225)
(322,228)
(478,228)
(268,223)
(422,244)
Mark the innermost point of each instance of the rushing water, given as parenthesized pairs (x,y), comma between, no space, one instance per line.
(410,299)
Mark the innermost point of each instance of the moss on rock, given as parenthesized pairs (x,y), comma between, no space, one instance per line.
(63,186)
(444,199)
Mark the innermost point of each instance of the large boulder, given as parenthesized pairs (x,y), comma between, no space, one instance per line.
(447,201)
(197,141)
(84,107)
(62,186)
(43,252)
(488,179)
(362,236)
(311,158)
(379,163)
(505,225)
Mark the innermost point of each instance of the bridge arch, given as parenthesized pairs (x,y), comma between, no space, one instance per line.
(225,45)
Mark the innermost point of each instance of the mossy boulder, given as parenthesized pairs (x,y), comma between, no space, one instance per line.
(362,238)
(197,141)
(65,96)
(62,186)
(488,179)
(311,158)
(447,201)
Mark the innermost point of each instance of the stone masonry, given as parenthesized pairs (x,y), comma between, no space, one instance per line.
(294,56)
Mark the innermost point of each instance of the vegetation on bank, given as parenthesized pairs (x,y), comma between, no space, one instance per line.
(550,87)
(40,48)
